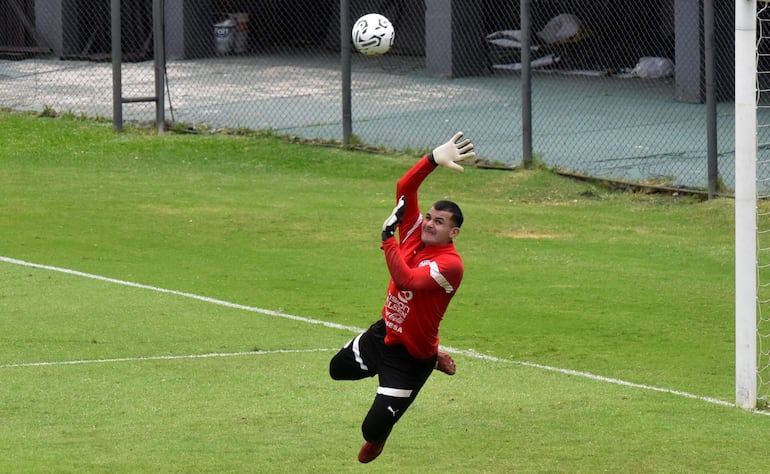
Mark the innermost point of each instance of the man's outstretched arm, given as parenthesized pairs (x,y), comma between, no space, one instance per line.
(447,155)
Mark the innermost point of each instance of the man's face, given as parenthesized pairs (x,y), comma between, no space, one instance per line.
(438,228)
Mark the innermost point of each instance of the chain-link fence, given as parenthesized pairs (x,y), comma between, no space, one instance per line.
(618,87)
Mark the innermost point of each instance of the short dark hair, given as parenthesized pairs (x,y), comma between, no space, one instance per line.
(451,207)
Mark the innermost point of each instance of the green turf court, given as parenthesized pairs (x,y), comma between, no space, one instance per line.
(153,381)
(142,279)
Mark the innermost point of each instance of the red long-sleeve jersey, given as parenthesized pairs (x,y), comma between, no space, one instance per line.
(423,278)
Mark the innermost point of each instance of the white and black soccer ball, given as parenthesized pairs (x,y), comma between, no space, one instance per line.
(373,34)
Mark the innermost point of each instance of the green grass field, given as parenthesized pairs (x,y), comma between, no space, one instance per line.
(101,376)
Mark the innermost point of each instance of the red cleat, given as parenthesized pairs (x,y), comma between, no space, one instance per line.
(370,451)
(445,363)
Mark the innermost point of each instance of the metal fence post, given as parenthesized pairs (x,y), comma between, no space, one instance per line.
(526,85)
(117,59)
(159,53)
(711,100)
(345,56)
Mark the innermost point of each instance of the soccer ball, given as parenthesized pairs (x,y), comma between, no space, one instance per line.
(373,34)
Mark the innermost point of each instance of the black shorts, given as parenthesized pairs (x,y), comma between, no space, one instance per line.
(367,355)
(401,377)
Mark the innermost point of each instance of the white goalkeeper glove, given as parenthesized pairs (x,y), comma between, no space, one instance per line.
(456,149)
(389,226)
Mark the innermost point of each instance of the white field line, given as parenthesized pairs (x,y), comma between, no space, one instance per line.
(468,353)
(206,299)
(163,357)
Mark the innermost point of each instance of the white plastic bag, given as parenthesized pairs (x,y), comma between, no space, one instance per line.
(653,68)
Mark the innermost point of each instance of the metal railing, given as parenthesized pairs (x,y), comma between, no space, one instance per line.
(617,90)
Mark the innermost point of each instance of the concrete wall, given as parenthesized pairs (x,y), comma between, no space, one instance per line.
(48,20)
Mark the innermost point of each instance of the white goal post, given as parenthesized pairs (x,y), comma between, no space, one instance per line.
(745,204)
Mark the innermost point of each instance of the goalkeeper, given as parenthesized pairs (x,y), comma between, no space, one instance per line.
(425,270)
